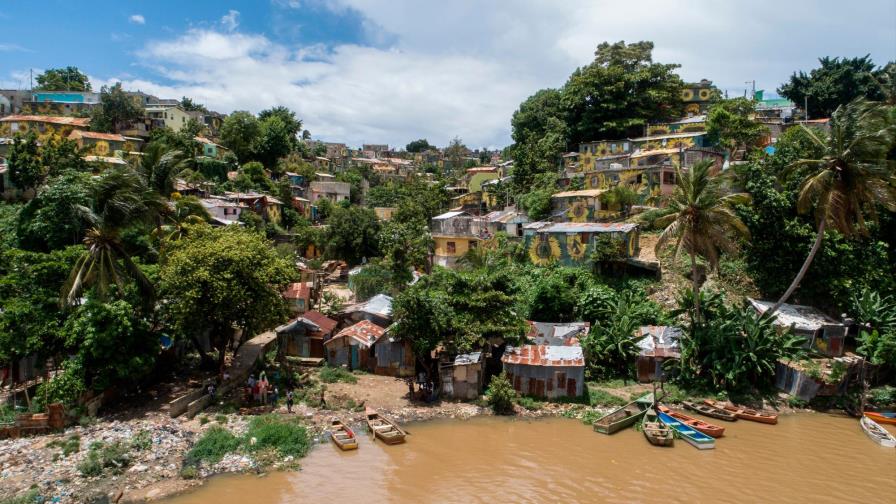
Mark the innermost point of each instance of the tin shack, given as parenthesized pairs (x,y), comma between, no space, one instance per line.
(305,335)
(823,334)
(657,344)
(463,377)
(352,346)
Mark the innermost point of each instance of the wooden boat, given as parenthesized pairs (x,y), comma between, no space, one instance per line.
(882,417)
(657,433)
(877,433)
(384,429)
(623,417)
(704,427)
(343,436)
(693,437)
(745,413)
(710,411)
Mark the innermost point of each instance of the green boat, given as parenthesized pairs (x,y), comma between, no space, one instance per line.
(623,417)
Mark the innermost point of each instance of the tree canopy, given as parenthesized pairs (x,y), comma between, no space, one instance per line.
(835,82)
(420,145)
(731,124)
(63,79)
(116,110)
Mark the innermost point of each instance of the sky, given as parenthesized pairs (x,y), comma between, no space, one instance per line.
(391,71)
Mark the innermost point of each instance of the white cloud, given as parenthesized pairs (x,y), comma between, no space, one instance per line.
(440,69)
(137,19)
(4,47)
(231,20)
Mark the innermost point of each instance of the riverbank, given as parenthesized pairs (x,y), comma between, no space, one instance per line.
(153,447)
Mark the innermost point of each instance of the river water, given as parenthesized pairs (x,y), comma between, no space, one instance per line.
(807,457)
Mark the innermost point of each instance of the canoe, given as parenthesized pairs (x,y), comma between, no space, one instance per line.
(621,418)
(710,411)
(384,429)
(704,427)
(657,433)
(693,437)
(877,433)
(745,413)
(343,436)
(882,417)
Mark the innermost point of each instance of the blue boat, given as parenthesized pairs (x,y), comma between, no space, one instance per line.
(693,437)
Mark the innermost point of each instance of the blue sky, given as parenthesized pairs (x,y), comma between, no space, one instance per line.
(390,71)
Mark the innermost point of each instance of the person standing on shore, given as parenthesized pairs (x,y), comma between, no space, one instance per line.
(289,397)
(275,396)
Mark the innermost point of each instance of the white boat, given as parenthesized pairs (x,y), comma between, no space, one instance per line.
(877,433)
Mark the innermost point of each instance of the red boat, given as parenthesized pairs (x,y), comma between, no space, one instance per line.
(882,417)
(746,413)
(699,425)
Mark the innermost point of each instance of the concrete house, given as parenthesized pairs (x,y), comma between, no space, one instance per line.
(222,211)
(572,243)
(331,190)
(104,144)
(454,234)
(46,127)
(305,335)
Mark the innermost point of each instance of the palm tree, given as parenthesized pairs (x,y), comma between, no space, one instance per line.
(160,165)
(850,179)
(186,211)
(119,198)
(701,219)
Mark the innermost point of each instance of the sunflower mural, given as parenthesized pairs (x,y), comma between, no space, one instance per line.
(101,148)
(575,248)
(544,250)
(687,94)
(578,212)
(692,108)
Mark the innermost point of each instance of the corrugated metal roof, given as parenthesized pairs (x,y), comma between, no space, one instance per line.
(297,290)
(585,193)
(556,333)
(111,137)
(544,355)
(325,323)
(364,332)
(448,215)
(105,159)
(468,358)
(73,121)
(659,341)
(380,304)
(581,227)
(805,318)
(669,136)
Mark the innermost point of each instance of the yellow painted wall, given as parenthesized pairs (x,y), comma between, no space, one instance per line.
(461,245)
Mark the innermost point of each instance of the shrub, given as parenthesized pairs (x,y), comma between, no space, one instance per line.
(142,440)
(221,419)
(189,472)
(604,398)
(530,403)
(102,456)
(70,445)
(282,434)
(501,394)
(883,396)
(335,374)
(30,497)
(212,446)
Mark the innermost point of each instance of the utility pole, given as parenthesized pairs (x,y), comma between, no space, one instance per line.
(31,78)
(806,106)
(753,82)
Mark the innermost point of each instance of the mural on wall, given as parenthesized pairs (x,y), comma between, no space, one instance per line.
(579,211)
(544,249)
(575,247)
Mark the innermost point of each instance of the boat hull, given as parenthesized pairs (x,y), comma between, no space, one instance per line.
(692,437)
(746,413)
(881,418)
(343,437)
(624,417)
(704,427)
(384,429)
(710,411)
(877,433)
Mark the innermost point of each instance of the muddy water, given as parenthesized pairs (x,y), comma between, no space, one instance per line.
(805,458)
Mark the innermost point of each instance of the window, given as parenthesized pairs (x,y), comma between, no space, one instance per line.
(668,178)
(451,247)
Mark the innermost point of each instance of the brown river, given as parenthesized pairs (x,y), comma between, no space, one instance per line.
(811,457)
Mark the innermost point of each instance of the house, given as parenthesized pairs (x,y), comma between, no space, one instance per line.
(331,190)
(657,344)
(577,206)
(600,155)
(510,221)
(63,103)
(104,144)
(210,148)
(45,127)
(377,309)
(305,335)
(454,234)
(265,205)
(393,357)
(12,101)
(476,176)
(352,346)
(697,96)
(222,211)
(170,116)
(823,334)
(298,297)
(573,243)
(546,370)
(463,377)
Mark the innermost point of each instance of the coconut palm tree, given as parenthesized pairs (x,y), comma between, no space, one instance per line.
(701,219)
(850,180)
(119,198)
(186,211)
(160,165)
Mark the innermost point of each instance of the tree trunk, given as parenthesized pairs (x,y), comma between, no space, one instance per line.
(696,284)
(206,361)
(799,276)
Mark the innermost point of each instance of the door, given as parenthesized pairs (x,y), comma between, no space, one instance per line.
(571,387)
(304,350)
(354,350)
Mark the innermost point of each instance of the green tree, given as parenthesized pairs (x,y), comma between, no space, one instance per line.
(836,82)
(850,180)
(276,139)
(187,211)
(62,79)
(352,234)
(25,168)
(540,136)
(731,124)
(191,106)
(501,394)
(216,280)
(373,279)
(115,111)
(119,199)
(537,202)
(51,221)
(620,92)
(160,166)
(612,347)
(239,133)
(454,156)
(701,219)
(406,246)
(420,145)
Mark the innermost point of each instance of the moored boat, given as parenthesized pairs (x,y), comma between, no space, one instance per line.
(745,413)
(693,437)
(877,433)
(882,417)
(704,427)
(657,433)
(343,436)
(623,417)
(710,411)
(384,429)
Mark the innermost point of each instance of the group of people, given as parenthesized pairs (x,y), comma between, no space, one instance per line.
(263,393)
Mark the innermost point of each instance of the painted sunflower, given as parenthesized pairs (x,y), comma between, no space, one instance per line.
(578,212)
(544,250)
(574,247)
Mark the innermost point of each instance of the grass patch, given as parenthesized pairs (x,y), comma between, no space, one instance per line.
(212,446)
(221,419)
(189,472)
(30,497)
(285,435)
(142,440)
(530,403)
(203,420)
(102,456)
(334,374)
(69,445)
(598,397)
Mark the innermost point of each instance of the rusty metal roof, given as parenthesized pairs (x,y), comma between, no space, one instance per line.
(74,121)
(544,355)
(111,137)
(364,332)
(325,323)
(297,290)
(556,333)
(581,227)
